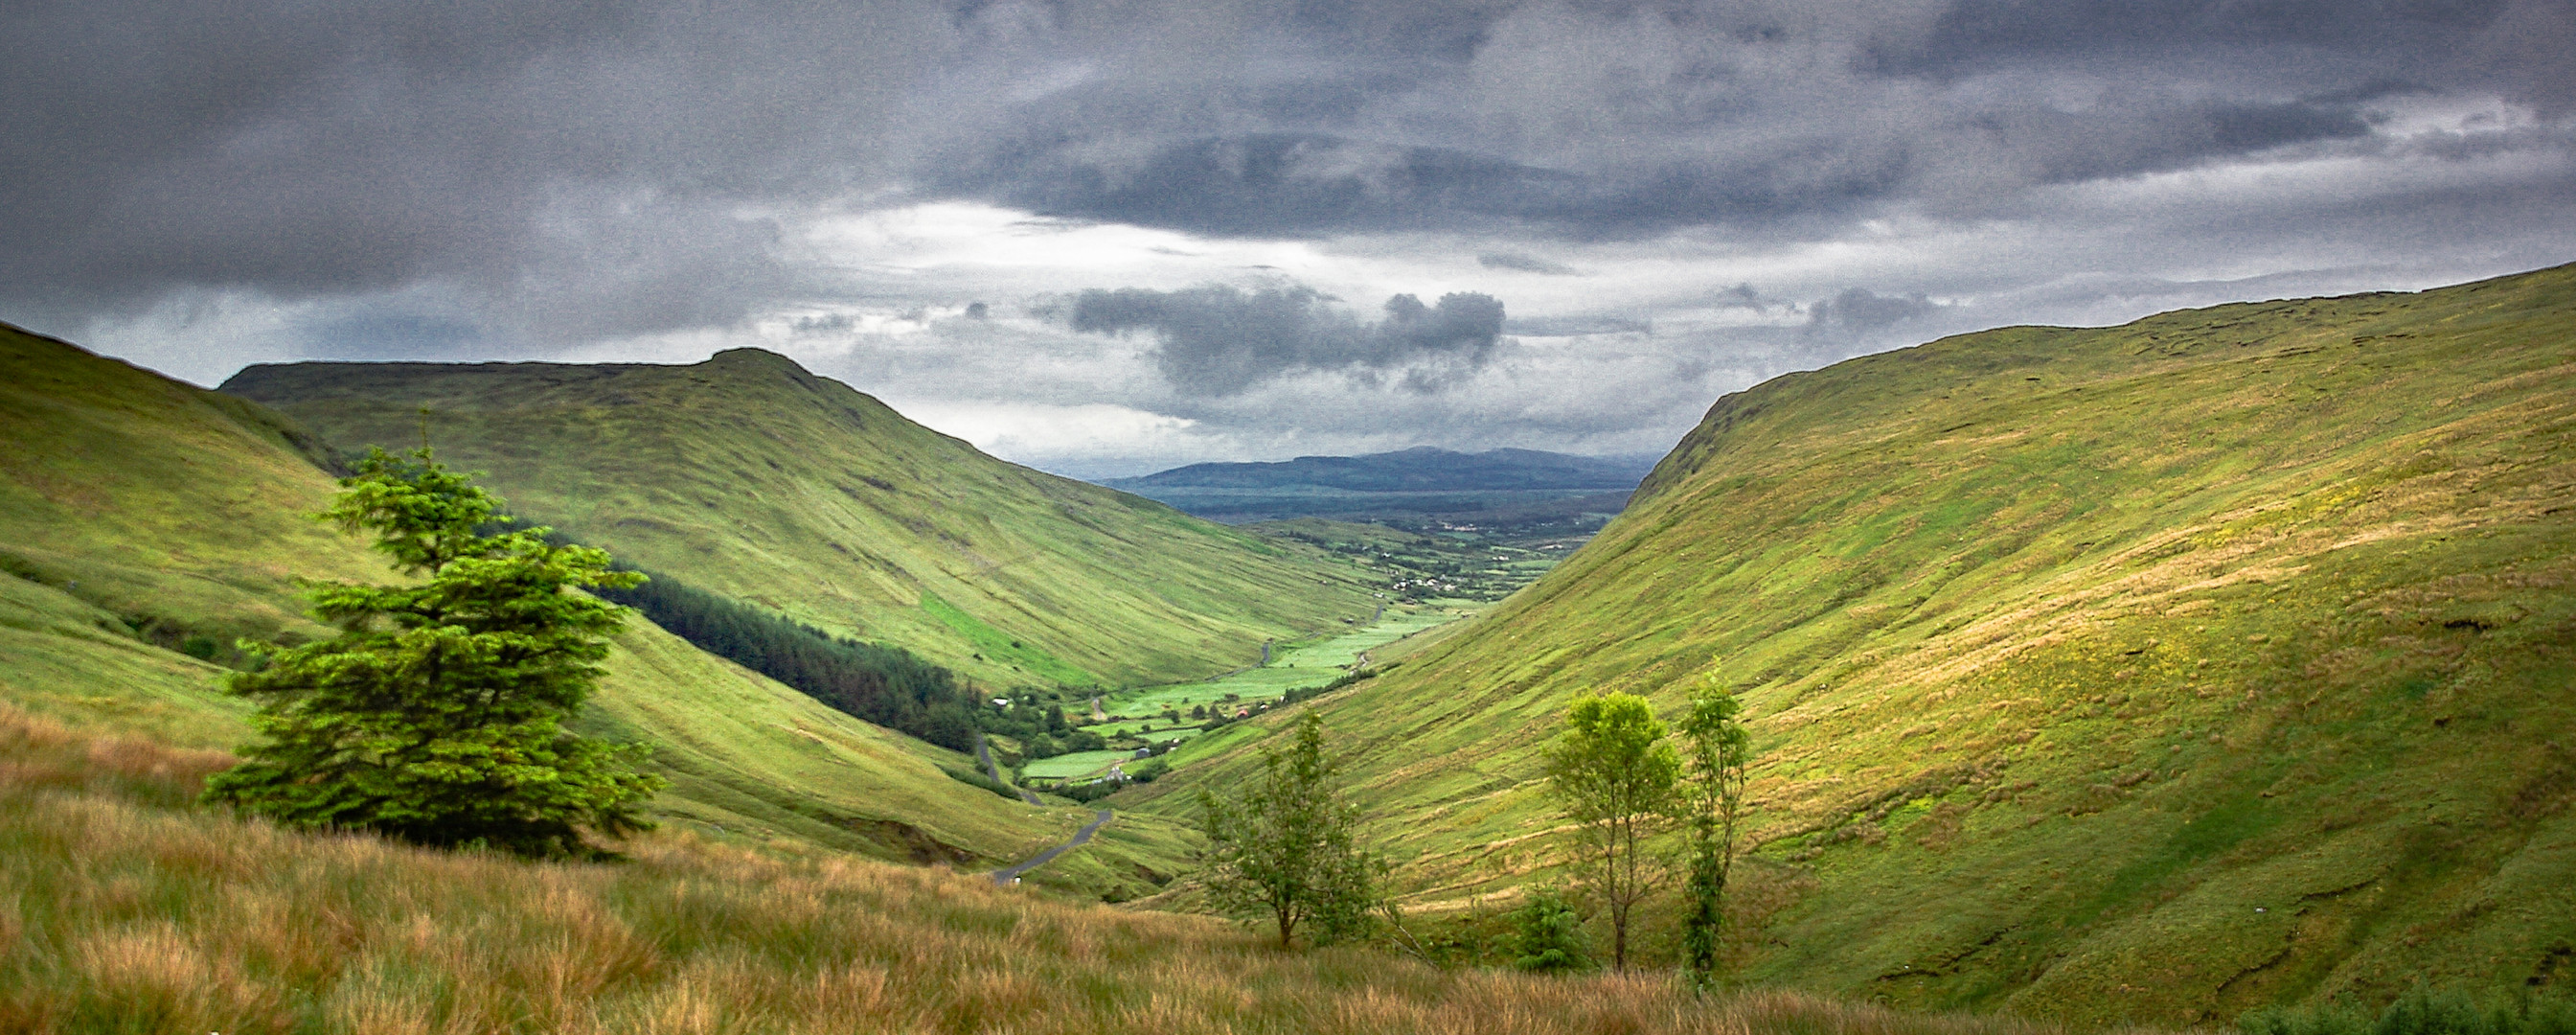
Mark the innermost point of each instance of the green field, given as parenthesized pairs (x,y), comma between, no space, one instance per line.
(1294,666)
(1076,764)
(2144,673)
(748,476)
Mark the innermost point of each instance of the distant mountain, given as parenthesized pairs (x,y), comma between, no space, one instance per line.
(751,477)
(1501,486)
(1421,469)
(2148,673)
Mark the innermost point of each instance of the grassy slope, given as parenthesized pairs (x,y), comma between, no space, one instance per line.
(749,476)
(2147,672)
(134,508)
(130,912)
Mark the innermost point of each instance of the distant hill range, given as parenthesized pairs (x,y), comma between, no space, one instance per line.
(749,476)
(1499,484)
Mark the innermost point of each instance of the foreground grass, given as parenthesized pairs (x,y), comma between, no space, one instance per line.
(124,909)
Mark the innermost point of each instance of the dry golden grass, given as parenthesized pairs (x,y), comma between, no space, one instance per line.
(123,909)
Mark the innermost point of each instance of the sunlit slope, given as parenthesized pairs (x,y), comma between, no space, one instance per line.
(137,512)
(2154,671)
(747,475)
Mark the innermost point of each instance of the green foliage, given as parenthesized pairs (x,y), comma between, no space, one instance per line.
(1152,770)
(435,716)
(1720,754)
(2421,1011)
(1548,935)
(1614,778)
(1289,847)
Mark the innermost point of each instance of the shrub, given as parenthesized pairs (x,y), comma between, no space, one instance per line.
(1549,937)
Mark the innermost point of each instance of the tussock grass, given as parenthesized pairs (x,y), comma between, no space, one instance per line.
(123,909)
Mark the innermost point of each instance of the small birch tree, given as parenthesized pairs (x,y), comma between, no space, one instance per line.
(1613,776)
(1288,849)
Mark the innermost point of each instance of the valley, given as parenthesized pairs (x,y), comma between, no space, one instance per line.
(2098,677)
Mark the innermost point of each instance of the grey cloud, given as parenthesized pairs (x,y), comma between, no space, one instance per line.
(1576,326)
(1525,264)
(829,324)
(529,155)
(1220,340)
(1859,309)
(566,172)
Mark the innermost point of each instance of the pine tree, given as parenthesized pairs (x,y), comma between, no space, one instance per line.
(1289,847)
(1547,935)
(435,715)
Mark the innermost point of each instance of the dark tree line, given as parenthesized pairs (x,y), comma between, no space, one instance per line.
(888,686)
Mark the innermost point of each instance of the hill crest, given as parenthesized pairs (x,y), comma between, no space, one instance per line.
(748,475)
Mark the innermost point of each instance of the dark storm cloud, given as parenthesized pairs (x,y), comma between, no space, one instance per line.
(1308,184)
(586,159)
(567,171)
(1219,340)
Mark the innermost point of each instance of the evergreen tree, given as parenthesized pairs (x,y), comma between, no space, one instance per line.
(1548,935)
(1720,752)
(1289,848)
(435,715)
(1614,779)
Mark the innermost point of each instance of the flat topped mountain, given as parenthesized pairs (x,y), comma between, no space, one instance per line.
(748,475)
(1420,469)
(2152,672)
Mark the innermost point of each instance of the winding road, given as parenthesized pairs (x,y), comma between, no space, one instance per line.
(1009,875)
(984,754)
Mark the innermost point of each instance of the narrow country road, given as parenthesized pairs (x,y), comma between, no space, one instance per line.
(1010,875)
(984,754)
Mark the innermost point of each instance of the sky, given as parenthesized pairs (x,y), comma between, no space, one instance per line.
(1104,238)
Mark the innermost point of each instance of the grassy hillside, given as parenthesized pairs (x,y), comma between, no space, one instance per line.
(2151,672)
(751,477)
(138,515)
(132,912)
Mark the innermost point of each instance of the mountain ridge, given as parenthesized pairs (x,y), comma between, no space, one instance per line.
(748,475)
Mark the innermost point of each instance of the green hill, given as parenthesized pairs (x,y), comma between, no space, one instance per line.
(142,519)
(748,476)
(2148,673)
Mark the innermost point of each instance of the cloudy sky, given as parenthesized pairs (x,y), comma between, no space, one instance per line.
(1106,237)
